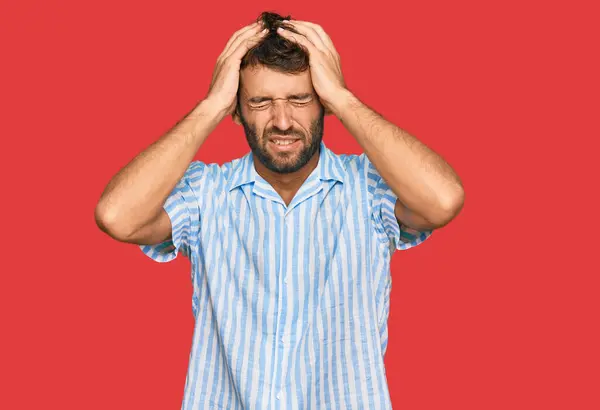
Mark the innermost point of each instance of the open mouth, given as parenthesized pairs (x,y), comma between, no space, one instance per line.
(284,144)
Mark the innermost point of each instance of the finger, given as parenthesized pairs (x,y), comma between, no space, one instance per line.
(298,38)
(320,32)
(252,28)
(237,37)
(309,33)
(239,32)
(245,45)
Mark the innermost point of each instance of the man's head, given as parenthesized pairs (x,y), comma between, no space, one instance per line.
(277,103)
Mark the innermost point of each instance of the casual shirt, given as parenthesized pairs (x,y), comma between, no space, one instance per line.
(290,301)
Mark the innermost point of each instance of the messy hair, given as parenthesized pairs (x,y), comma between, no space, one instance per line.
(274,51)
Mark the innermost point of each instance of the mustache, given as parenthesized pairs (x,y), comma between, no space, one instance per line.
(290,132)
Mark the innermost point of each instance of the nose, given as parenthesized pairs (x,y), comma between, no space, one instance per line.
(282,117)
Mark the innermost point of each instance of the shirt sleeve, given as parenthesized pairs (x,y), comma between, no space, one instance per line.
(183,208)
(383,201)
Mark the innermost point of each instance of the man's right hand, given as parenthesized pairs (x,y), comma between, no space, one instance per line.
(131,207)
(225,81)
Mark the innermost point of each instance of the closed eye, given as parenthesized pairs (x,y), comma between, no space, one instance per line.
(301,102)
(259,105)
(262,103)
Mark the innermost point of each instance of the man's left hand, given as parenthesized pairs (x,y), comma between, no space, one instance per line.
(325,67)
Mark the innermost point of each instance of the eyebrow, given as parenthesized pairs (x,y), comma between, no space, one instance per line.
(259,99)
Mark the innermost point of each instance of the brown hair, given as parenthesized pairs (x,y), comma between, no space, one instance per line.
(274,51)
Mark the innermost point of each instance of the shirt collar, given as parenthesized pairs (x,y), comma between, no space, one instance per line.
(329,167)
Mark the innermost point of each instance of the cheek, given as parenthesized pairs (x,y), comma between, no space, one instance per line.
(260,130)
(257,123)
(305,121)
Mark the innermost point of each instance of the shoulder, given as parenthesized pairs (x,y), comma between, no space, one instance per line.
(200,172)
(198,169)
(355,166)
(230,168)
(210,175)
(363,167)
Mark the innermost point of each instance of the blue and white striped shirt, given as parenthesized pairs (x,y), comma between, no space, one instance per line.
(290,302)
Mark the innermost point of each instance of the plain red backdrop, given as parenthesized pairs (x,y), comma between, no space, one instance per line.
(498,310)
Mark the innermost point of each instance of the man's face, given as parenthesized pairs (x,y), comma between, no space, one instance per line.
(282,117)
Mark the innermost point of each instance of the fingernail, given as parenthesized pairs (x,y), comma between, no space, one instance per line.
(280,29)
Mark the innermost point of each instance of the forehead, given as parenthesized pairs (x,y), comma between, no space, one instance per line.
(262,81)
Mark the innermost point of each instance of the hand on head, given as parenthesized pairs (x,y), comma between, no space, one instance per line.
(286,45)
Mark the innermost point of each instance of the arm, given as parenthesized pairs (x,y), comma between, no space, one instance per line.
(131,207)
(430,193)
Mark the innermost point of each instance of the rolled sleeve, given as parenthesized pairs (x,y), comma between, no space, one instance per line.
(383,202)
(180,222)
(183,208)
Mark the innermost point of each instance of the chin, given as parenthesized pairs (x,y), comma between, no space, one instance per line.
(284,164)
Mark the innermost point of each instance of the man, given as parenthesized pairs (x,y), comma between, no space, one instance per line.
(290,246)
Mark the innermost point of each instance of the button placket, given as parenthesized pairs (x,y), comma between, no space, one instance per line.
(279,332)
(284,339)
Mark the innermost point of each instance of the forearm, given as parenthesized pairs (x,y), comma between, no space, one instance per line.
(136,194)
(423,181)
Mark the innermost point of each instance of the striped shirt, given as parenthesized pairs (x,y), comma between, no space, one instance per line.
(290,301)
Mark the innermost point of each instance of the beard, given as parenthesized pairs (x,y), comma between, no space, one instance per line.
(284,163)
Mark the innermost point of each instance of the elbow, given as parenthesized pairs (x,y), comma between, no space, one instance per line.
(107,220)
(449,207)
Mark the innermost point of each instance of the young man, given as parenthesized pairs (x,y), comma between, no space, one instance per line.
(290,246)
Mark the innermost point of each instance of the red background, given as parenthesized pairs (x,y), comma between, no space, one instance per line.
(498,310)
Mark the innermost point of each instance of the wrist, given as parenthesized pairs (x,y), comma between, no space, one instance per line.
(200,122)
(209,109)
(342,102)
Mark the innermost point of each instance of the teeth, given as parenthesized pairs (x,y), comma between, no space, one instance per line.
(283,142)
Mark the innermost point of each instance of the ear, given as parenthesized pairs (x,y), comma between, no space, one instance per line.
(235,116)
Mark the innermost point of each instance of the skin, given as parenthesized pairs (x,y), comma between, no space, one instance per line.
(430,194)
(274,103)
(130,208)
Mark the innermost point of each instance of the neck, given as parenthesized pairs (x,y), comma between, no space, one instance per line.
(287,185)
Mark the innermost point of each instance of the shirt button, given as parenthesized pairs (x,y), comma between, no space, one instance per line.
(285,280)
(278,396)
(283,340)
